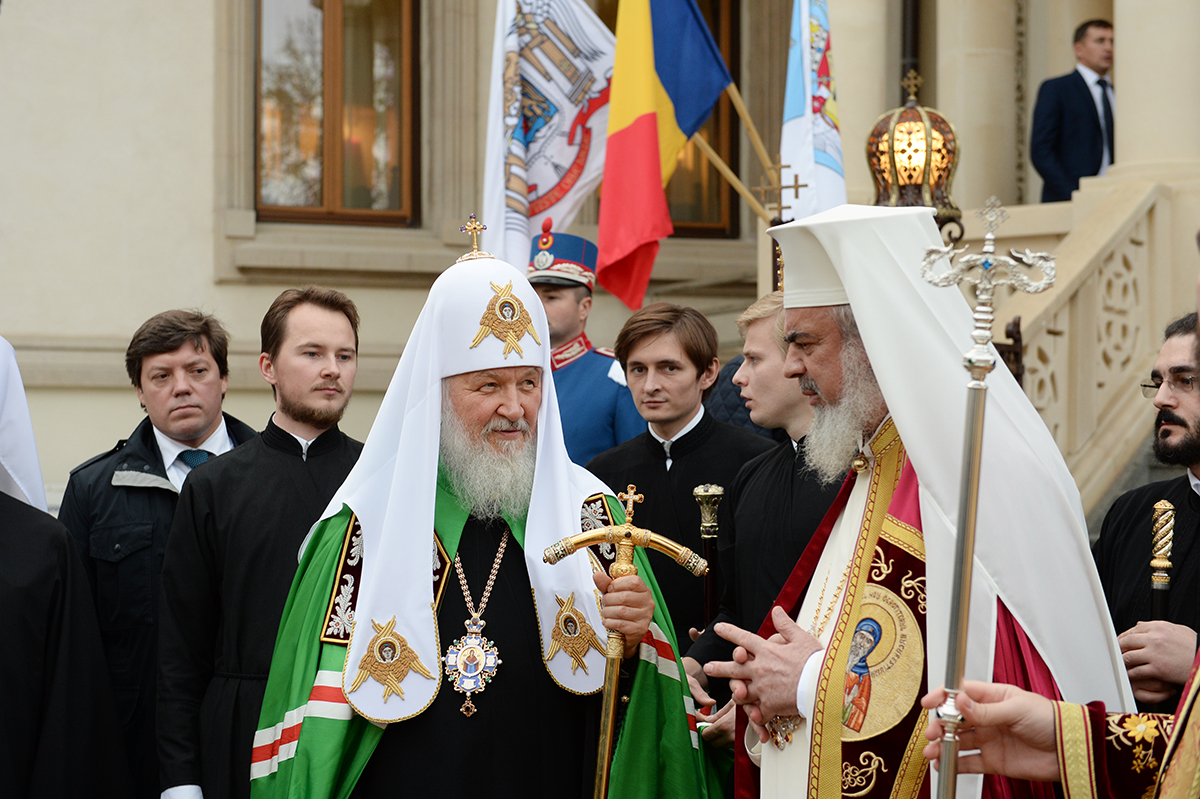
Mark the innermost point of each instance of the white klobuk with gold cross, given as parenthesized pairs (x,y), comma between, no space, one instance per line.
(481,314)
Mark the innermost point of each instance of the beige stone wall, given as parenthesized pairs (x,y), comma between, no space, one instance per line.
(126,149)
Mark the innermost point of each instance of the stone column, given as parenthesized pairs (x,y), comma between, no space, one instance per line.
(866,57)
(976,68)
(1156,72)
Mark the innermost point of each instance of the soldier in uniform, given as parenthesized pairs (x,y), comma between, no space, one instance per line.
(597,409)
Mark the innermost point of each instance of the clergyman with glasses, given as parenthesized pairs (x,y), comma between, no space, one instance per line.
(1158,654)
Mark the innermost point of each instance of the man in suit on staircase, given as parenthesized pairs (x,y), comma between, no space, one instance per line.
(1073,118)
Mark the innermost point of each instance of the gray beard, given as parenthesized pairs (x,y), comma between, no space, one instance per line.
(492,483)
(835,435)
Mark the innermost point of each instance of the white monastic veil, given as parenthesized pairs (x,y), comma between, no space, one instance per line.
(1031,547)
(20,471)
(392,489)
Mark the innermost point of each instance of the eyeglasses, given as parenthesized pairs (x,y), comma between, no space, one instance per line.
(1180,385)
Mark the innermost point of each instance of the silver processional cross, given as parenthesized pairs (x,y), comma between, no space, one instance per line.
(985,271)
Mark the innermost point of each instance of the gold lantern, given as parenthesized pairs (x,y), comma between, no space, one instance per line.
(912,152)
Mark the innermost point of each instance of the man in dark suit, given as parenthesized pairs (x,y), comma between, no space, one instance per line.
(1073,118)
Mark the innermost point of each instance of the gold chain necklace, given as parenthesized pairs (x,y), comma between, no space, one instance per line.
(471,661)
(782,727)
(813,628)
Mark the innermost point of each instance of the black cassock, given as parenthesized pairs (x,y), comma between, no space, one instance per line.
(60,735)
(777,505)
(228,568)
(529,738)
(1122,554)
(711,452)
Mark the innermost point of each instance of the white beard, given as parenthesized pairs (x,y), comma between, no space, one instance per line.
(835,436)
(493,483)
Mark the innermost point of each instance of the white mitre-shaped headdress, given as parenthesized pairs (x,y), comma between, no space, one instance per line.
(481,313)
(1031,546)
(20,470)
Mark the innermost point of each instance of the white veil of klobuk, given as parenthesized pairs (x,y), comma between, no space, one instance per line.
(392,487)
(20,470)
(1031,547)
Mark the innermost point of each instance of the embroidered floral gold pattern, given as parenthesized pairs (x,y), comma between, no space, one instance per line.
(859,781)
(910,587)
(1126,730)
(1138,732)
(881,568)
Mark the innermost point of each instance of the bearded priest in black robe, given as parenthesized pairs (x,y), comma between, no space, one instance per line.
(427,649)
(1158,652)
(233,547)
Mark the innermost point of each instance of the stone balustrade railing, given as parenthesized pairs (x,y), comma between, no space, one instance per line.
(1092,338)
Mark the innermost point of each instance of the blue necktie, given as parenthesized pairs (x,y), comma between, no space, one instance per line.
(194,457)
(1108,118)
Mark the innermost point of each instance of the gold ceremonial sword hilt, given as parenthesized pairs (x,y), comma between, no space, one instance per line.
(625,537)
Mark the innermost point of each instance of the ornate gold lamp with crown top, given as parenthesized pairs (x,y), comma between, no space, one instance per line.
(912,152)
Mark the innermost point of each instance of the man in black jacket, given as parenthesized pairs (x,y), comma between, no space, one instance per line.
(669,354)
(119,505)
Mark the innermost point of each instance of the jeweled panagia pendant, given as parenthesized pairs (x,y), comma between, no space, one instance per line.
(471,662)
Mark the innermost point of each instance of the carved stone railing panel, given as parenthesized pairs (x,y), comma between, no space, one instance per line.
(1046,356)
(1123,315)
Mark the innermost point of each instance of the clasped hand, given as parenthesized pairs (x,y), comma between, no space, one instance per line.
(763,674)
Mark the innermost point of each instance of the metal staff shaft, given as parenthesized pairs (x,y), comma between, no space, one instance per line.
(994,270)
(625,537)
(964,557)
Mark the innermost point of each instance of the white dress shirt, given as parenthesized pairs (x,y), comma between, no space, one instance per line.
(1092,79)
(687,428)
(216,444)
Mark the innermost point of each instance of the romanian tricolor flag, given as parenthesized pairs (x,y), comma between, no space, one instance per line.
(667,77)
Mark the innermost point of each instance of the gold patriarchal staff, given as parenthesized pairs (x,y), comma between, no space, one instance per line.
(993,270)
(709,496)
(1160,558)
(625,537)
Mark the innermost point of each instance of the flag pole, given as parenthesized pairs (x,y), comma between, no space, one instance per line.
(733,179)
(736,98)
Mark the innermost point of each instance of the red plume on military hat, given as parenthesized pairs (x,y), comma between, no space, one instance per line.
(562,259)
